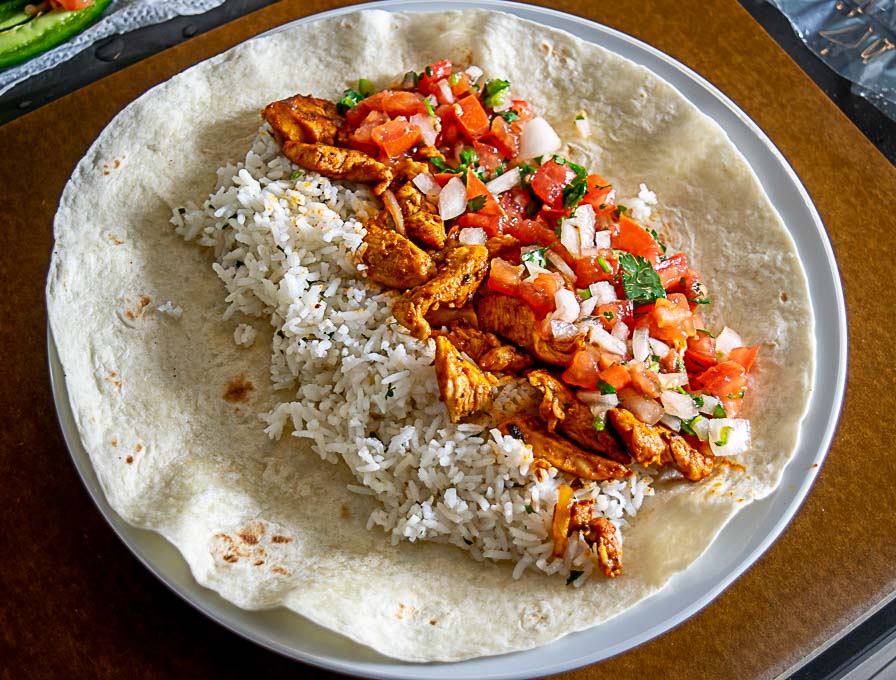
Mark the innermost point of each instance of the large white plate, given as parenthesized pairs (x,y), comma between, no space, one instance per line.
(738,546)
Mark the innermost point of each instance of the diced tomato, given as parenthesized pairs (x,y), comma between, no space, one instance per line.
(471,117)
(489,157)
(549,181)
(534,231)
(433,74)
(475,189)
(616,375)
(504,138)
(396,136)
(442,178)
(645,381)
(361,138)
(462,85)
(691,285)
(608,359)
(72,5)
(611,313)
(539,294)
(672,270)
(585,369)
(673,311)
(392,102)
(728,382)
(551,216)
(521,106)
(633,238)
(505,277)
(449,136)
(700,354)
(514,202)
(590,269)
(745,356)
(600,195)
(492,224)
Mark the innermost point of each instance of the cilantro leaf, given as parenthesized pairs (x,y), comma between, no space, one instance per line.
(495,91)
(605,387)
(640,281)
(536,257)
(657,239)
(620,210)
(719,411)
(526,171)
(469,157)
(295,175)
(442,166)
(574,192)
(350,99)
(510,116)
(529,509)
(476,203)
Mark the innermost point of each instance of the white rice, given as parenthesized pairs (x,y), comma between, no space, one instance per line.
(285,242)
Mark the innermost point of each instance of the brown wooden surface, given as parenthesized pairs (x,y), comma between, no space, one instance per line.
(76,604)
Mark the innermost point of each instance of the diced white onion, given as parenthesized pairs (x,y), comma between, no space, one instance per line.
(661,349)
(727,341)
(394,210)
(668,380)
(620,331)
(737,440)
(600,337)
(646,410)
(427,127)
(475,72)
(678,404)
(472,236)
(583,127)
(561,266)
(640,350)
(569,238)
(563,330)
(603,292)
(602,239)
(709,404)
(671,422)
(452,199)
(428,185)
(585,220)
(646,195)
(595,398)
(504,182)
(537,138)
(586,308)
(445,91)
(567,306)
(700,426)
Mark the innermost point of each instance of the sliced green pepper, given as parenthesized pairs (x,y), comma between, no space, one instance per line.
(13,13)
(26,40)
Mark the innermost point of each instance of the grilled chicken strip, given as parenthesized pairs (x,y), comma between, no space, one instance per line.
(600,533)
(513,319)
(458,279)
(560,452)
(452,318)
(488,351)
(421,218)
(464,388)
(655,444)
(304,119)
(561,409)
(393,260)
(337,163)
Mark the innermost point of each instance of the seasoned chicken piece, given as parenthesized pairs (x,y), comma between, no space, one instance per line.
(693,464)
(337,163)
(463,387)
(560,452)
(487,350)
(500,243)
(655,444)
(451,318)
(513,319)
(600,534)
(304,119)
(458,279)
(561,409)
(393,260)
(421,218)
(408,168)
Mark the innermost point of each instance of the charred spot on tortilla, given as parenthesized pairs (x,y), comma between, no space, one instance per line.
(238,389)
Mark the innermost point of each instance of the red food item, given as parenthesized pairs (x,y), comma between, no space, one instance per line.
(672,270)
(700,354)
(433,74)
(505,277)
(504,137)
(644,380)
(590,269)
(633,238)
(530,232)
(492,224)
(521,106)
(600,195)
(612,313)
(585,369)
(396,136)
(539,294)
(72,5)
(462,86)
(361,138)
(392,102)
(489,157)
(549,181)
(728,382)
(471,117)
(475,189)
(745,356)
(616,375)
(671,320)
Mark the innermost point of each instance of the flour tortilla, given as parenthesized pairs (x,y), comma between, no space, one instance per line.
(173,456)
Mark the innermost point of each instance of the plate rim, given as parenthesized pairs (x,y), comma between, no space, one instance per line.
(392,668)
